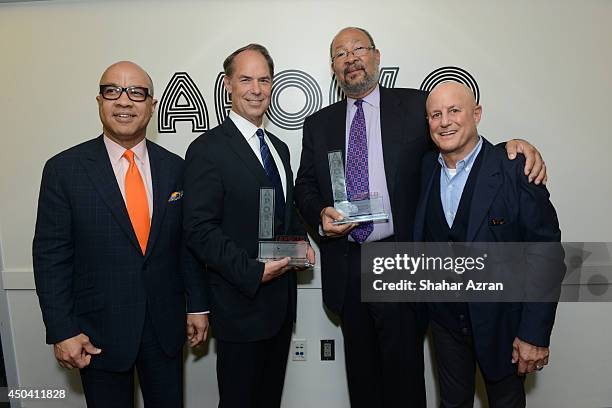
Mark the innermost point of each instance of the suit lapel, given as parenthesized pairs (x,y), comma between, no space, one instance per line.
(241,147)
(98,167)
(335,138)
(485,190)
(336,131)
(391,135)
(419,224)
(161,191)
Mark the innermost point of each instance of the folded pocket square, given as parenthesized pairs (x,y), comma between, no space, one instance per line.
(497,221)
(177,195)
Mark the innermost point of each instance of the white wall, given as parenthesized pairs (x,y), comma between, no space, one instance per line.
(544,73)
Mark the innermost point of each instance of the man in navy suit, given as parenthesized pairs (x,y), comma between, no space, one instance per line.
(471,192)
(113,276)
(253,304)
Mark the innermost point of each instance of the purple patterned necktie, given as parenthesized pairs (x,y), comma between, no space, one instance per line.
(357,175)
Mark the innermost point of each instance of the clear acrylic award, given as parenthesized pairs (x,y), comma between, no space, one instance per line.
(273,248)
(370,208)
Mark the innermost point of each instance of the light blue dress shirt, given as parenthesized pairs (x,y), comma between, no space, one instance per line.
(452,182)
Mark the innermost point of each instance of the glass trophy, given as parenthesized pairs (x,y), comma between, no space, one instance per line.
(273,248)
(295,249)
(370,208)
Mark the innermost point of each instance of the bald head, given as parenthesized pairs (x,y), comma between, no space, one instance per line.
(453,116)
(127,67)
(458,90)
(358,30)
(125,117)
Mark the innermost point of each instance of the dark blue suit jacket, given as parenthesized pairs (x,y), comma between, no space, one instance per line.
(223,178)
(90,273)
(502,191)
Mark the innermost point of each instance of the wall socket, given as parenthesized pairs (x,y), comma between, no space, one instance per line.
(328,351)
(298,350)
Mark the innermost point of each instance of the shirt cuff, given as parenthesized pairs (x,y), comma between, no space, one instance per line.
(194,313)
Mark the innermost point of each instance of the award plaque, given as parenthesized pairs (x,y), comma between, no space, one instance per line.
(336,172)
(361,211)
(371,208)
(272,248)
(266,213)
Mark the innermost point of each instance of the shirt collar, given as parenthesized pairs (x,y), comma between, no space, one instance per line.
(467,162)
(372,99)
(115,150)
(244,126)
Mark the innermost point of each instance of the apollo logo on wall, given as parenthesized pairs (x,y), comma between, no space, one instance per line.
(182,101)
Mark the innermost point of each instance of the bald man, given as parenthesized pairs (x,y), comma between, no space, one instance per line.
(115,281)
(471,192)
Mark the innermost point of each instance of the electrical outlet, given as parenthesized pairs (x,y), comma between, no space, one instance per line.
(298,350)
(328,351)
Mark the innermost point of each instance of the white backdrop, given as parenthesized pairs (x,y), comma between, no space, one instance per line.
(543,69)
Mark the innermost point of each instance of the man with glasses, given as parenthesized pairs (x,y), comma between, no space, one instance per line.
(382,134)
(114,280)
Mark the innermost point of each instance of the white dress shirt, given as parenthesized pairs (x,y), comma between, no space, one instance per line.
(248,131)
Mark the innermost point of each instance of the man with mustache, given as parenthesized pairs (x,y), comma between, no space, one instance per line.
(382,134)
(113,276)
(253,304)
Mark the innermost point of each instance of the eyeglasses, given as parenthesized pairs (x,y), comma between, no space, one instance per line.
(135,93)
(358,52)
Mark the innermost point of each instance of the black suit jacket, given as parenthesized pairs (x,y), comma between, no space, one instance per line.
(404,138)
(91,275)
(223,178)
(502,191)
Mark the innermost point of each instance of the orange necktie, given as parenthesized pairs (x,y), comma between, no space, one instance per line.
(136,201)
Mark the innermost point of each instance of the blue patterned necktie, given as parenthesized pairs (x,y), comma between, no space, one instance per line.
(357,175)
(273,176)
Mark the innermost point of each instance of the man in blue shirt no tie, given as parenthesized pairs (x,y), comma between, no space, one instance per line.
(467,189)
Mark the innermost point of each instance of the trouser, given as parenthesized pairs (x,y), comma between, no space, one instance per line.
(160,376)
(252,375)
(383,347)
(456,363)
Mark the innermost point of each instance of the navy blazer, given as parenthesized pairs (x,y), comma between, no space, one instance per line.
(91,276)
(223,178)
(502,191)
